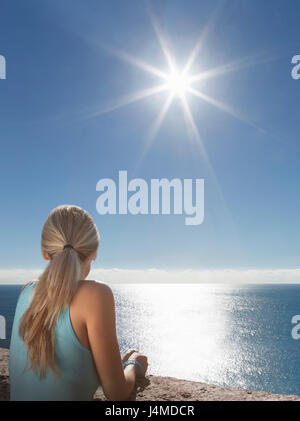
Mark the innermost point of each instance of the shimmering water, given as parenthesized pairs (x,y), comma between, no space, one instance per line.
(238,336)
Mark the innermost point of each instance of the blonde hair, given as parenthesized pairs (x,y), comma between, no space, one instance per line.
(68,226)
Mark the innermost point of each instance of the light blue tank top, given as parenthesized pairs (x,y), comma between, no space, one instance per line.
(78,380)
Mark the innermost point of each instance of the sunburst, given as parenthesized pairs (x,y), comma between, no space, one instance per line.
(178,82)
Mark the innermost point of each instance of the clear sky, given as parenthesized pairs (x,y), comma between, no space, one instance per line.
(62,127)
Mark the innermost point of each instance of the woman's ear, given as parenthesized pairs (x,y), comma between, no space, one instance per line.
(93,256)
(45,255)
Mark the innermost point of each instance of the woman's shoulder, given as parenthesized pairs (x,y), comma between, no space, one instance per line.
(93,286)
(93,298)
(33,282)
(94,290)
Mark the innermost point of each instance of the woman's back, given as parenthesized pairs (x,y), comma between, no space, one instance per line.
(42,329)
(78,380)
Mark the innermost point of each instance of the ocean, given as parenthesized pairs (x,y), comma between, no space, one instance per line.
(237,336)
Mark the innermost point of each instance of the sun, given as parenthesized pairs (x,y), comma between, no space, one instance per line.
(178,83)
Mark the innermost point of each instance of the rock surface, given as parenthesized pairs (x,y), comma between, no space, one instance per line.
(157,388)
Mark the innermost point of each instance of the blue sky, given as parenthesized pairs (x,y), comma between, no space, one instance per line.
(57,141)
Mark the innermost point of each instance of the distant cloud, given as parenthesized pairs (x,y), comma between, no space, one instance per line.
(18,276)
(221,276)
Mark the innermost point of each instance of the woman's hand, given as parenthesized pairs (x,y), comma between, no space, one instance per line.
(126,356)
(142,359)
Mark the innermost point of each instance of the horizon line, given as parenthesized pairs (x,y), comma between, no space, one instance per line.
(18,276)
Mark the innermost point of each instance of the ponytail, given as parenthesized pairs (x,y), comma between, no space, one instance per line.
(69,237)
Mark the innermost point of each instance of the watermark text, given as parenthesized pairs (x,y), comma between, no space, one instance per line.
(296,329)
(296,69)
(2,327)
(162,196)
(2,67)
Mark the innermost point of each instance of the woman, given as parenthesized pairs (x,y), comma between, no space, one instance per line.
(64,341)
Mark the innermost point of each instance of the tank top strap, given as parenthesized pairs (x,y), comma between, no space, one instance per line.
(27,286)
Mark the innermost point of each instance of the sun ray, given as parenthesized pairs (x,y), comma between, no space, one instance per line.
(129,99)
(136,62)
(195,131)
(218,104)
(122,55)
(191,121)
(199,45)
(233,66)
(155,127)
(193,55)
(196,134)
(222,106)
(160,118)
(163,43)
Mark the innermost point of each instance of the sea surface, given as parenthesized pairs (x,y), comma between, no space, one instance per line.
(238,336)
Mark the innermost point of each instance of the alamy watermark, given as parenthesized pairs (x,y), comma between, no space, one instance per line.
(2,327)
(296,329)
(296,69)
(2,67)
(154,199)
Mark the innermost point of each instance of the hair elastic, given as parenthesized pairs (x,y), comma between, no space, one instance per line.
(68,246)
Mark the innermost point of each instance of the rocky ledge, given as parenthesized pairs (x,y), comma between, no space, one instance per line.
(158,388)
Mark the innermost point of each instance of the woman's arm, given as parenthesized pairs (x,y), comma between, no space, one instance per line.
(100,320)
